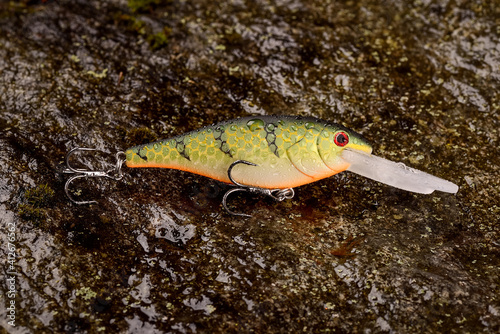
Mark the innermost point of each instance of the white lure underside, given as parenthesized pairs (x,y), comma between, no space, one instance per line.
(395,174)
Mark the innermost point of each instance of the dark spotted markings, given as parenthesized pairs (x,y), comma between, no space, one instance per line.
(271,138)
(141,155)
(219,142)
(181,148)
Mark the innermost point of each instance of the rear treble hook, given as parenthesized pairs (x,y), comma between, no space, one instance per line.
(114,173)
(277,194)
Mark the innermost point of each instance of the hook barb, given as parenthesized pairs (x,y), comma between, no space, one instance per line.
(114,173)
(224,203)
(277,194)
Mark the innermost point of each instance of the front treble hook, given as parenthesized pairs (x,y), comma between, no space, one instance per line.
(114,173)
(277,194)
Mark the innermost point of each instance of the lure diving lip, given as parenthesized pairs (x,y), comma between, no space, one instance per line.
(395,174)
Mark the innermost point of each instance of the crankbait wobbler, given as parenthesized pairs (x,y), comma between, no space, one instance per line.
(267,155)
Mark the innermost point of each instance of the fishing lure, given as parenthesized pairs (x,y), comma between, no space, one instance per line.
(267,155)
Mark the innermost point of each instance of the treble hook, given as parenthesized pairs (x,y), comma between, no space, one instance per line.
(114,173)
(277,194)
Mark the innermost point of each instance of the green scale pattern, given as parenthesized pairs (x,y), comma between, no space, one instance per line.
(275,143)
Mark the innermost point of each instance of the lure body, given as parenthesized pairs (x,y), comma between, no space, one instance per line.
(288,151)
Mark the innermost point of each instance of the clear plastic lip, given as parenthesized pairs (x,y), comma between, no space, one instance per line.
(395,174)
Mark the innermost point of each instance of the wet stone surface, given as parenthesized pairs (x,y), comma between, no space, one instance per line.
(419,79)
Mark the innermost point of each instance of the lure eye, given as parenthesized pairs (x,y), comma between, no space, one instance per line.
(341,139)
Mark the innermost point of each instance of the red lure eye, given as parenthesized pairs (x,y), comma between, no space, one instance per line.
(341,139)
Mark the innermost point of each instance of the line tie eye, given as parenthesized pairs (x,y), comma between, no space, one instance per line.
(341,139)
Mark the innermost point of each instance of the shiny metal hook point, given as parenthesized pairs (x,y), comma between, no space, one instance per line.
(276,194)
(114,173)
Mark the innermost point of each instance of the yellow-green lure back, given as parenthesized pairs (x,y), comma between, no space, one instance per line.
(288,151)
